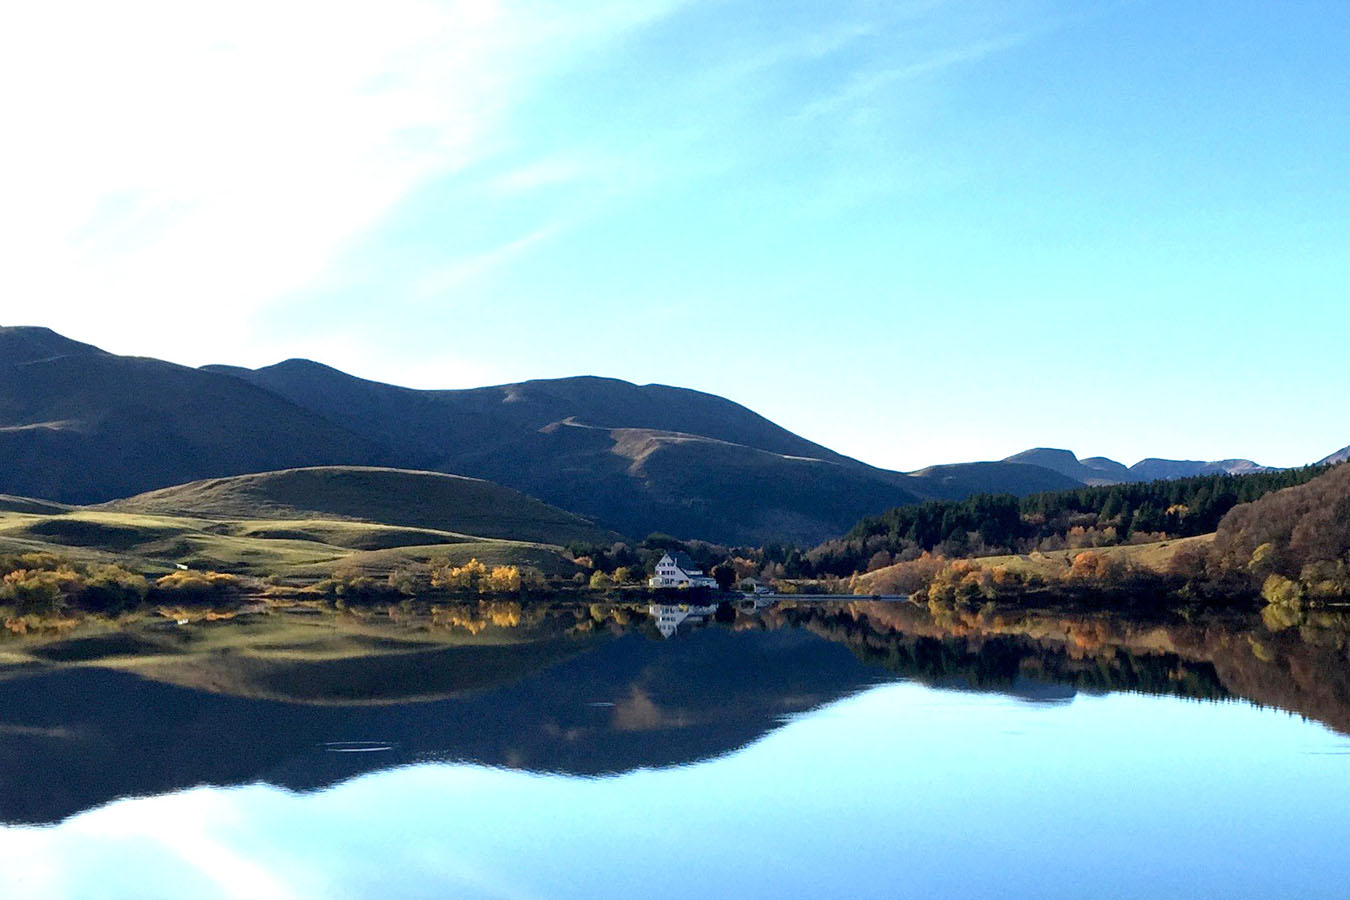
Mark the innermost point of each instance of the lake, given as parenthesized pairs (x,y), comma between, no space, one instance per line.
(808,750)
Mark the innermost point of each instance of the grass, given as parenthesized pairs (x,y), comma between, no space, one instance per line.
(1048,565)
(304,523)
(423,501)
(305,548)
(1155,556)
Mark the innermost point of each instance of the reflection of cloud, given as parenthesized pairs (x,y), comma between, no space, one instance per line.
(258,842)
(638,712)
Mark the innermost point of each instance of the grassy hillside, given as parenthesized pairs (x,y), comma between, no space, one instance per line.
(389,497)
(1053,567)
(305,523)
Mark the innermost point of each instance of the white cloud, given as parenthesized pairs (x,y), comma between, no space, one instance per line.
(191,163)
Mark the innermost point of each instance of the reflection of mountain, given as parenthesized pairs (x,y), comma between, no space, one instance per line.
(78,730)
(79,737)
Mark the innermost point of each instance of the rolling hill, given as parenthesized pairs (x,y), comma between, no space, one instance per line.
(305,522)
(395,497)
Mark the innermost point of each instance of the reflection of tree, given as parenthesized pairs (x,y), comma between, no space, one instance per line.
(474,617)
(1302,669)
(996,661)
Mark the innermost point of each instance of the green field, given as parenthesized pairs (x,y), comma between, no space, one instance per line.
(1154,556)
(303,523)
(1049,564)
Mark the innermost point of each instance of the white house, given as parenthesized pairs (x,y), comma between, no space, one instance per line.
(678,570)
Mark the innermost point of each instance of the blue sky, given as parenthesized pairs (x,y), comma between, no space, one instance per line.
(917,232)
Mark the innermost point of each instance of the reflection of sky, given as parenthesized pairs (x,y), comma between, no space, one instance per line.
(900,791)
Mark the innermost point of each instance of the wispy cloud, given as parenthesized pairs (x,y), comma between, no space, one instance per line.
(184,170)
(193,162)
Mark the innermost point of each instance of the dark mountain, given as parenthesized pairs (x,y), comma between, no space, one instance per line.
(80,425)
(637,458)
(28,345)
(442,424)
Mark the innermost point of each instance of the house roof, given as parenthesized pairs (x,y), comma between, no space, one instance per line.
(683,561)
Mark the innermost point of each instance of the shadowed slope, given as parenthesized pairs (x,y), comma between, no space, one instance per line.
(959,480)
(639,458)
(443,424)
(82,425)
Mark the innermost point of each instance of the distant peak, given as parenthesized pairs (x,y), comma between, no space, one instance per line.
(299,362)
(20,344)
(1043,453)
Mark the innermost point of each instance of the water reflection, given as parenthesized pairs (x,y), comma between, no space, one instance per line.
(670,616)
(898,791)
(305,699)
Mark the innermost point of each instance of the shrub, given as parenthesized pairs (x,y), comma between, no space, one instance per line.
(196,585)
(37,590)
(112,589)
(458,578)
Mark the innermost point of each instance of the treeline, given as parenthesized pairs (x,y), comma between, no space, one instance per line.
(1295,544)
(622,563)
(1291,547)
(995,524)
(35,587)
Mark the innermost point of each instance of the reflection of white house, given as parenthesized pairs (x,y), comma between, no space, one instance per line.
(678,570)
(669,616)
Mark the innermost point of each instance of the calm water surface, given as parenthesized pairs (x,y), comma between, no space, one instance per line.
(803,759)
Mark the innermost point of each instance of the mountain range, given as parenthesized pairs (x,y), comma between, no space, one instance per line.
(80,425)
(1096,470)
